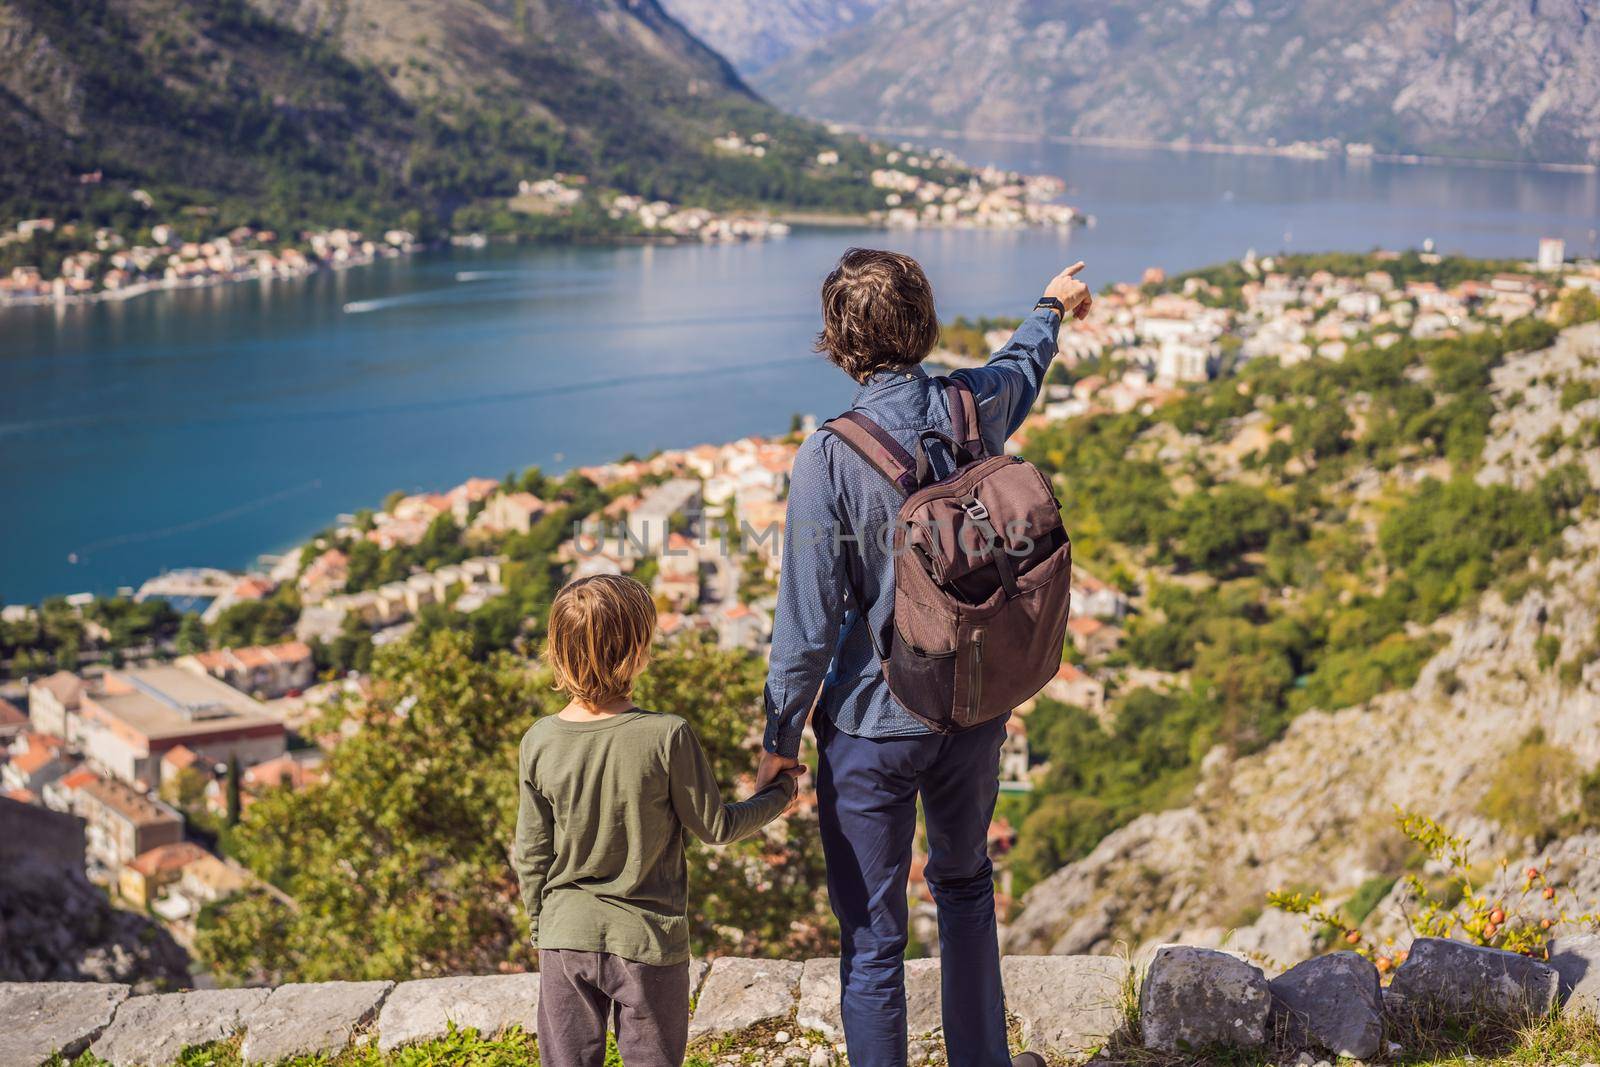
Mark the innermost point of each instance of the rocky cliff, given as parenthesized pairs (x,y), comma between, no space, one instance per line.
(1316,808)
(56,926)
(1508,79)
(756,33)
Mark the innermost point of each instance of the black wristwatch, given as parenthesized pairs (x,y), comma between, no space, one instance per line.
(1053,304)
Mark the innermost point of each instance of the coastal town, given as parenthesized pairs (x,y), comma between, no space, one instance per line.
(159,744)
(179,252)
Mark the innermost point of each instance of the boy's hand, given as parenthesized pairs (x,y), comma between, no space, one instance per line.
(773,765)
(1073,294)
(796,773)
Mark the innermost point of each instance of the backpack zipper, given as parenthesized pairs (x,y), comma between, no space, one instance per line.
(975,700)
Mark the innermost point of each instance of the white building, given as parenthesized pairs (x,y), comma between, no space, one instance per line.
(1552,253)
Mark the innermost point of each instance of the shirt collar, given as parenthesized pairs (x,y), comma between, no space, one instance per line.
(886,379)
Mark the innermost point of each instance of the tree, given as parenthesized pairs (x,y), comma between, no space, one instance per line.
(398,865)
(191,635)
(235,788)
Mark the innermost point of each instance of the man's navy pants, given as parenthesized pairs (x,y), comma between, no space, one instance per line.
(867,792)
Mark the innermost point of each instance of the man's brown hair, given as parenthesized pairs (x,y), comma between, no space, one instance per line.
(877,313)
(600,633)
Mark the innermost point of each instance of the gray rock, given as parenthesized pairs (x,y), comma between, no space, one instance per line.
(153,1030)
(43,1018)
(820,991)
(1197,998)
(698,969)
(1334,1002)
(1576,959)
(739,994)
(924,997)
(1066,1004)
(819,998)
(303,1020)
(1457,978)
(424,1009)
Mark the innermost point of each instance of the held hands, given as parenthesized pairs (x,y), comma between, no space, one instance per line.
(1073,294)
(772,767)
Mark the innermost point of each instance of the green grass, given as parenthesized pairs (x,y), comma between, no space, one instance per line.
(461,1048)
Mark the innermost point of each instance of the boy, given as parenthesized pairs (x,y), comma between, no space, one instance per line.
(607,791)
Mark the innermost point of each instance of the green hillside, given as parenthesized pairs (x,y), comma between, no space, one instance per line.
(372,112)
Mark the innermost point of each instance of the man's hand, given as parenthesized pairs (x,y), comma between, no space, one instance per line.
(772,766)
(1073,294)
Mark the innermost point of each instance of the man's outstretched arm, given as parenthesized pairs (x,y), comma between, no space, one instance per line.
(811,594)
(1007,385)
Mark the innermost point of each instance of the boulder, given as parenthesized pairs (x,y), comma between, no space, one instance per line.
(425,1009)
(1066,1004)
(1576,960)
(153,1030)
(698,969)
(43,1018)
(740,993)
(316,1017)
(819,999)
(1334,1002)
(820,990)
(1197,998)
(1454,978)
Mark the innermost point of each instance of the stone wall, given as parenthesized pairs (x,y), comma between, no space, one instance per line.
(1187,998)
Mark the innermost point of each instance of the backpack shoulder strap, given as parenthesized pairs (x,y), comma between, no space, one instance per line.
(963,415)
(874,444)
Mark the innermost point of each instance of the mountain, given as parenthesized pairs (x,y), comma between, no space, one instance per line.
(362,109)
(754,34)
(1492,739)
(1506,79)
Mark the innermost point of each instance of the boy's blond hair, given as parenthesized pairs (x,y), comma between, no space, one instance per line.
(600,633)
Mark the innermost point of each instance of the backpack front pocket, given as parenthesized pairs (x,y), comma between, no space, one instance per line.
(922,682)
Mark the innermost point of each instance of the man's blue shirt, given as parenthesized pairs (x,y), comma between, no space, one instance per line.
(838,573)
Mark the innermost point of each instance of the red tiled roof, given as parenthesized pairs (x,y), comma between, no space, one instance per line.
(180,757)
(252,588)
(1085,626)
(10,714)
(21,796)
(526,501)
(78,779)
(37,756)
(284,770)
(172,857)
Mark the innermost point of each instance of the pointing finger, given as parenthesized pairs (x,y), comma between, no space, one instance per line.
(1075,268)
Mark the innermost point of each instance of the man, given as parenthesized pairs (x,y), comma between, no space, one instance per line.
(835,607)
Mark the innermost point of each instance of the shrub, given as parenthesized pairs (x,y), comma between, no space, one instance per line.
(1534,791)
(1455,909)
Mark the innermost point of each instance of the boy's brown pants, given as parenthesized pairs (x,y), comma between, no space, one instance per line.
(578,991)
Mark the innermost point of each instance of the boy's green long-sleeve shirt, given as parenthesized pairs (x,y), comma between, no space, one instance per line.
(603,810)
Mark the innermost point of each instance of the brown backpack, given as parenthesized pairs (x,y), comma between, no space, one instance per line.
(983,572)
